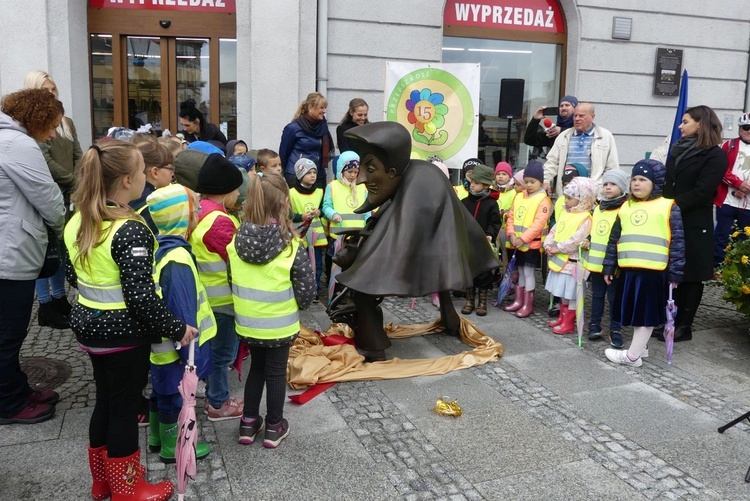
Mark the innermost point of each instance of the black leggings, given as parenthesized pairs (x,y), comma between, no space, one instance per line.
(267,368)
(120,378)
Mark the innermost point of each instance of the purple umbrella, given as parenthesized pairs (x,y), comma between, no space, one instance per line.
(507,282)
(188,425)
(669,326)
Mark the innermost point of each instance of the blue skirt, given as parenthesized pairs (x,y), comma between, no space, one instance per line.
(641,298)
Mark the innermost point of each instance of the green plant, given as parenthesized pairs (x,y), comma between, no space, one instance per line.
(735,272)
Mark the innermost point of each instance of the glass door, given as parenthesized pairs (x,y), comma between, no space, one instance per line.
(145,75)
(192,75)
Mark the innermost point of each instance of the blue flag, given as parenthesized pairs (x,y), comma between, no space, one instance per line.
(681,107)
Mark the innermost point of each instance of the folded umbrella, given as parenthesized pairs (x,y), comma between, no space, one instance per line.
(188,426)
(580,272)
(507,282)
(669,326)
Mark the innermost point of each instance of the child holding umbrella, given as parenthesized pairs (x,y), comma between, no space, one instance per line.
(648,245)
(571,230)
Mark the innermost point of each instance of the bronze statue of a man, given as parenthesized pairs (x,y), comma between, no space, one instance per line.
(420,239)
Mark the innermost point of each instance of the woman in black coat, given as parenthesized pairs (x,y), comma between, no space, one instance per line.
(695,168)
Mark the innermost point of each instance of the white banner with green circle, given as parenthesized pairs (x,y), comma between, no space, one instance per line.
(439,106)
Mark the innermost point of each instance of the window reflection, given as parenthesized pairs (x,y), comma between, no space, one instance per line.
(102,87)
(538,64)
(193,74)
(228,86)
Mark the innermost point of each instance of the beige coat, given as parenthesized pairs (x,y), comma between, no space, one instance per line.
(603,156)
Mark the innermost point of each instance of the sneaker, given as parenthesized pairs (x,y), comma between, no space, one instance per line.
(31,414)
(275,434)
(595,332)
(621,357)
(48,397)
(200,391)
(316,299)
(249,430)
(645,352)
(615,339)
(554,311)
(231,409)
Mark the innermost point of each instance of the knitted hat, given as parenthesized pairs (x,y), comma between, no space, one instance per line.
(618,178)
(535,170)
(170,209)
(570,99)
(574,170)
(205,147)
(443,168)
(653,170)
(303,166)
(504,167)
(347,160)
(482,174)
(244,162)
(218,176)
(518,178)
(469,165)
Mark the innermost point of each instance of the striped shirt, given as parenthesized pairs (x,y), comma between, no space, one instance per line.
(579,149)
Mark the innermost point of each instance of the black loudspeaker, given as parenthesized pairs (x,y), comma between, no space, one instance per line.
(511,98)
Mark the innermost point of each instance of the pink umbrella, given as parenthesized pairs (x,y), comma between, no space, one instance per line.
(669,326)
(186,421)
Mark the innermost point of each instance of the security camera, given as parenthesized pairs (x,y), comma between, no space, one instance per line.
(165,24)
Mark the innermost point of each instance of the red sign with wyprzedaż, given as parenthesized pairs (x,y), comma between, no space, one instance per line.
(543,16)
(220,6)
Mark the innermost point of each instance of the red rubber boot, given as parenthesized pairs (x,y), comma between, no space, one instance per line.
(99,487)
(568,324)
(558,321)
(127,480)
(518,302)
(528,305)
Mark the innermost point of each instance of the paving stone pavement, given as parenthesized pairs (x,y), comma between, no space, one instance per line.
(415,460)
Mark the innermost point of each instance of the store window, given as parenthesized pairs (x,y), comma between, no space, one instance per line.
(228,86)
(510,39)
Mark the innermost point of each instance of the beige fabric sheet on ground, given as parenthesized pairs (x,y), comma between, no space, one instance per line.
(310,362)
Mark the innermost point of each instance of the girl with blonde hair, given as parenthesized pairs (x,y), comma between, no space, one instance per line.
(118,314)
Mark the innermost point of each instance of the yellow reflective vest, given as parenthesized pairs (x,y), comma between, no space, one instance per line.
(164,353)
(645,237)
(304,203)
(343,204)
(559,207)
(461,192)
(565,227)
(524,212)
(601,227)
(212,269)
(264,303)
(99,285)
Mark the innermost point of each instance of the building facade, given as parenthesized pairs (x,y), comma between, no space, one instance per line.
(248,64)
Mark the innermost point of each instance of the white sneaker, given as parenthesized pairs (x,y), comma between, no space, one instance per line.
(621,357)
(200,392)
(645,352)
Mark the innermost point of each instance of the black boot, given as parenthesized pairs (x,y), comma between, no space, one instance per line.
(62,305)
(49,316)
(683,333)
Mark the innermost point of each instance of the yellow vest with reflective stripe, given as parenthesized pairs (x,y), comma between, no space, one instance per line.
(601,227)
(645,237)
(264,302)
(558,210)
(505,200)
(212,270)
(461,192)
(508,245)
(524,212)
(343,204)
(99,285)
(164,353)
(303,203)
(565,227)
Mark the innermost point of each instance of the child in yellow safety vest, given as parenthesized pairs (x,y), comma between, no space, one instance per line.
(462,190)
(118,314)
(272,279)
(647,244)
(526,224)
(614,191)
(342,196)
(174,210)
(218,181)
(562,243)
(506,194)
(307,201)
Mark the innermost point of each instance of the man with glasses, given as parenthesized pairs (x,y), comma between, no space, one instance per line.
(731,201)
